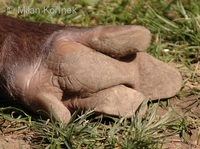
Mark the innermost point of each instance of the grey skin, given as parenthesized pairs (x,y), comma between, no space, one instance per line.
(104,69)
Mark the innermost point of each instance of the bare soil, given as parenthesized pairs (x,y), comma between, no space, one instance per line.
(189,110)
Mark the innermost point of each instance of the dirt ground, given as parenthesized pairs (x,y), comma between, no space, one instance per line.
(189,109)
(11,142)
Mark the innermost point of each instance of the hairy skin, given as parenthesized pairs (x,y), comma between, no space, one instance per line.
(62,69)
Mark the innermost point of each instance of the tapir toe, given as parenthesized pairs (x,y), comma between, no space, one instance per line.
(157,79)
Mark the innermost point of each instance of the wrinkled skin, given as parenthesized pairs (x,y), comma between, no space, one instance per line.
(103,68)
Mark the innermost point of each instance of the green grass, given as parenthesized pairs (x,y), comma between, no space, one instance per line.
(86,131)
(175,26)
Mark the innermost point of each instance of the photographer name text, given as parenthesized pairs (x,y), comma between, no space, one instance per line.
(44,10)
